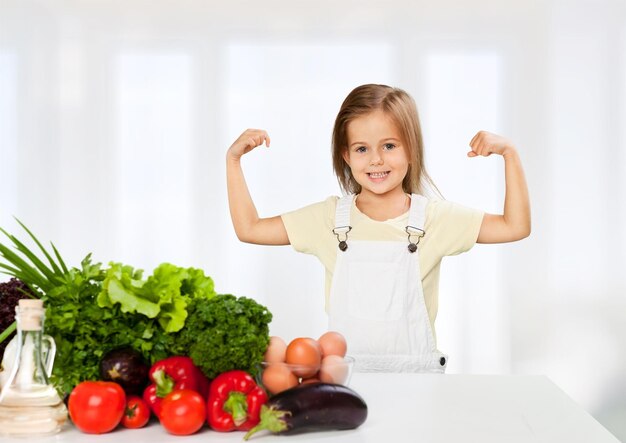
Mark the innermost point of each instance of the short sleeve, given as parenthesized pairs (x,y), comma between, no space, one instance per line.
(307,227)
(454,227)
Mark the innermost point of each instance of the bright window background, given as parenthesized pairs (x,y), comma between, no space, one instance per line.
(115,118)
(152,166)
(8,138)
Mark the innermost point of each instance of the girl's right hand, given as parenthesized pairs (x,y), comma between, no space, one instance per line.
(250,139)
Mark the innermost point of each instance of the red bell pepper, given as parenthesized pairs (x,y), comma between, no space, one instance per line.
(173,373)
(235,402)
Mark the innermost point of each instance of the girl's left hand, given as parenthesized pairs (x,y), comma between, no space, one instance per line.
(486,143)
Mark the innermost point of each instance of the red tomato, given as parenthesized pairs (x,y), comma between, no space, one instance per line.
(97,407)
(137,413)
(183,412)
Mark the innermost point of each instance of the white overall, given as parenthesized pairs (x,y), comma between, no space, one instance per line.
(377,301)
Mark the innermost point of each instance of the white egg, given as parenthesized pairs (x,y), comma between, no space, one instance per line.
(333,343)
(276,350)
(334,369)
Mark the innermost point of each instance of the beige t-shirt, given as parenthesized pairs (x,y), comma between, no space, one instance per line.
(450,230)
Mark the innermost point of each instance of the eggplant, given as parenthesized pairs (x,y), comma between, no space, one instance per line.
(127,367)
(312,407)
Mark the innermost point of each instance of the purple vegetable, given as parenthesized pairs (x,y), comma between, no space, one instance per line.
(312,407)
(10,293)
(126,367)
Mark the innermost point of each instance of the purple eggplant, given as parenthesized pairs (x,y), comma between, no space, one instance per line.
(312,407)
(127,367)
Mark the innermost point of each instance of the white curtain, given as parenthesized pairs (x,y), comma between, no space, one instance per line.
(115,117)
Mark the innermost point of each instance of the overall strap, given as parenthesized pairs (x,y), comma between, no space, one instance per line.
(417,213)
(417,219)
(342,212)
(342,220)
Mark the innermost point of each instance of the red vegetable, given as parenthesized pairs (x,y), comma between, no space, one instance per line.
(183,412)
(235,402)
(170,374)
(137,413)
(97,407)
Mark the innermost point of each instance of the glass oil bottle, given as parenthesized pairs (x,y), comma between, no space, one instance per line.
(29,404)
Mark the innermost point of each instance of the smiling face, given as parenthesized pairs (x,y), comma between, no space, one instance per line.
(376,154)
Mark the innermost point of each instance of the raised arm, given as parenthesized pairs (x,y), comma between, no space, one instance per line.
(248,226)
(514,223)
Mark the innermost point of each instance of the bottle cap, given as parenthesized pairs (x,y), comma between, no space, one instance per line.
(30,303)
(29,313)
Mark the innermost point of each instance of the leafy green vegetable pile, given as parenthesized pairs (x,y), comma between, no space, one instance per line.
(225,332)
(175,311)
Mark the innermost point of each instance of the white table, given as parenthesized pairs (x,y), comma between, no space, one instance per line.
(424,408)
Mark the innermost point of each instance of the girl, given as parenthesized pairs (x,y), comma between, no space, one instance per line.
(382,243)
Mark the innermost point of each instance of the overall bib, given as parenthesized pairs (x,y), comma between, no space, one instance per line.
(377,300)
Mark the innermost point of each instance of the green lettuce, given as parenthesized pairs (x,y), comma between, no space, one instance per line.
(163,296)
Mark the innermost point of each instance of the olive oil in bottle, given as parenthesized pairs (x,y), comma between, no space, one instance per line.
(29,404)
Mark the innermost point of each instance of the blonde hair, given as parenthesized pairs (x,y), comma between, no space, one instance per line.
(398,105)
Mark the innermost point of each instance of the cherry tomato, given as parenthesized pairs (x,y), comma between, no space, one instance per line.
(137,413)
(183,412)
(97,407)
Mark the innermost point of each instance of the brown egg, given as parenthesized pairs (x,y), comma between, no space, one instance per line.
(334,370)
(277,377)
(306,355)
(276,350)
(333,343)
